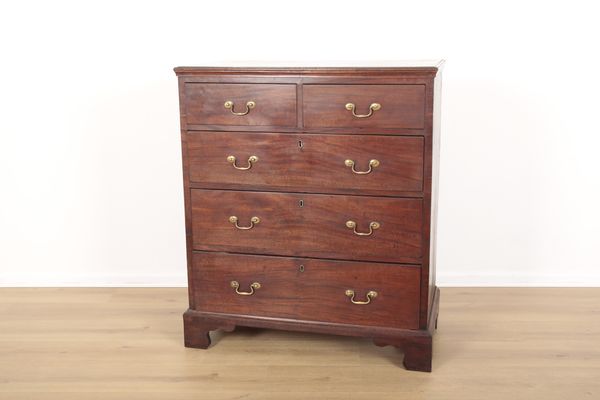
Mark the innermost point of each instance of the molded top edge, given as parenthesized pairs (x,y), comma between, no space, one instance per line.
(307,68)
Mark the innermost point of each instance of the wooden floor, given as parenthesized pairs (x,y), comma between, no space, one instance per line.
(127,344)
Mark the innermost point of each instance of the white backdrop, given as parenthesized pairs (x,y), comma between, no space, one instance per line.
(90,165)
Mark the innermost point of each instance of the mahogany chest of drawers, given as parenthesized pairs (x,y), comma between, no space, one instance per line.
(310,201)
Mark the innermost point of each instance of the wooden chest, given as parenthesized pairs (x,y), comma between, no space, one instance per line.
(310,201)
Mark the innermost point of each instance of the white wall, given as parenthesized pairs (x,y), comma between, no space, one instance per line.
(89,136)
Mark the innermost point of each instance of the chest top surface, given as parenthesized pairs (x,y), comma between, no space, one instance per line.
(307,67)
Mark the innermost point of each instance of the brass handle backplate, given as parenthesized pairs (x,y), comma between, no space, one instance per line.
(372,107)
(253,221)
(230,106)
(253,286)
(372,226)
(372,164)
(371,294)
(251,160)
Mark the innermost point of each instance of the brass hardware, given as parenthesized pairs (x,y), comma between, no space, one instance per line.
(251,160)
(301,203)
(370,295)
(372,226)
(372,107)
(253,286)
(230,106)
(301,268)
(253,221)
(372,164)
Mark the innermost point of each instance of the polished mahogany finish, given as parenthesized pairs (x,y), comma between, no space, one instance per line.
(300,163)
(402,106)
(275,105)
(308,225)
(307,289)
(310,201)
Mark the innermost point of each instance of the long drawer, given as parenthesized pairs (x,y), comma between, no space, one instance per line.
(308,225)
(295,162)
(307,289)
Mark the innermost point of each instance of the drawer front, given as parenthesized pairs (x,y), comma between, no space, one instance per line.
(401,106)
(273,104)
(308,225)
(307,162)
(307,289)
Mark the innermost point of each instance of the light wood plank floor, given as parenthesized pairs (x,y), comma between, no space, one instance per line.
(104,344)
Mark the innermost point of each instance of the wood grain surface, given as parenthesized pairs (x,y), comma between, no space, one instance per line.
(308,225)
(275,104)
(402,106)
(297,162)
(124,343)
(307,289)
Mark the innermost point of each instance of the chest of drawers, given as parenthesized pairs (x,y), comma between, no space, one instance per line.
(310,201)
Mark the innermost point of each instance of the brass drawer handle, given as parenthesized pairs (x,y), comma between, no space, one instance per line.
(371,294)
(251,160)
(253,221)
(236,286)
(372,107)
(372,226)
(230,106)
(372,164)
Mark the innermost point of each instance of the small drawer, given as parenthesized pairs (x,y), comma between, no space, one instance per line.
(308,225)
(294,162)
(342,292)
(364,106)
(240,104)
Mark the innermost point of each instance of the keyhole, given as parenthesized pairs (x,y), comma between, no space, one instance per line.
(301,268)
(301,203)
(300,144)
